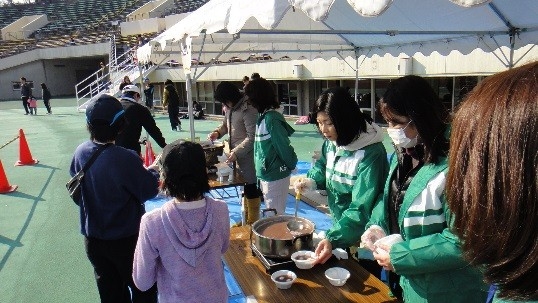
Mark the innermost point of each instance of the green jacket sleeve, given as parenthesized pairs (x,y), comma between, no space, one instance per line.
(279,131)
(430,253)
(372,174)
(378,214)
(317,172)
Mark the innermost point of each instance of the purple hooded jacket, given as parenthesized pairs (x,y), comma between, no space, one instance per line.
(180,247)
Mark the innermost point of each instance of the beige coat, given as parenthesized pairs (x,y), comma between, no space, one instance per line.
(240,125)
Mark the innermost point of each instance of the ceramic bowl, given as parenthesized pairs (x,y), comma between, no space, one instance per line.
(337,276)
(283,278)
(304,259)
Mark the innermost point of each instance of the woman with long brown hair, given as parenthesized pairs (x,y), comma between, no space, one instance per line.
(492,184)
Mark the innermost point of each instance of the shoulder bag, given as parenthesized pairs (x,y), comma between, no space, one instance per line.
(75,184)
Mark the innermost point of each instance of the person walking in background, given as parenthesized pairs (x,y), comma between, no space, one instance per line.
(46,97)
(180,245)
(352,168)
(427,261)
(114,190)
(138,117)
(26,92)
(274,157)
(492,183)
(101,75)
(171,102)
(149,89)
(126,81)
(239,124)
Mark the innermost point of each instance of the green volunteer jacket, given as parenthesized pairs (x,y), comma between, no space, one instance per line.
(429,260)
(274,157)
(353,177)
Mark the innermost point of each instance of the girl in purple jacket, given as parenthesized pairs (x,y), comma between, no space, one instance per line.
(180,245)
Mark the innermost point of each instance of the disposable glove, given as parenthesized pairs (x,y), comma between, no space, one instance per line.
(371,235)
(303,184)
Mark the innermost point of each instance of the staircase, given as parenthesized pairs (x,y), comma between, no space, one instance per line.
(108,79)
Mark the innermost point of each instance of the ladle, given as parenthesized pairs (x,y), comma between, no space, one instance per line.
(296,225)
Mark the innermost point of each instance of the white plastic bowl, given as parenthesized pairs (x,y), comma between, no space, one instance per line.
(337,276)
(283,278)
(304,259)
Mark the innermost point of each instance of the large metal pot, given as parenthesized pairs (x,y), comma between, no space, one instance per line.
(282,243)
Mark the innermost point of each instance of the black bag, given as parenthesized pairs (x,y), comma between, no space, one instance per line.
(74,186)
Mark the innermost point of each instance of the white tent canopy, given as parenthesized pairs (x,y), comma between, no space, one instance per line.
(309,29)
(328,28)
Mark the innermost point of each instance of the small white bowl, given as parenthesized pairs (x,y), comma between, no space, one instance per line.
(337,276)
(304,259)
(283,278)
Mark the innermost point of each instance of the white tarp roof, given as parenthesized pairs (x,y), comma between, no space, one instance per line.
(329,28)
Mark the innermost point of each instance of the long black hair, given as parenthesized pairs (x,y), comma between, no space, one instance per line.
(261,95)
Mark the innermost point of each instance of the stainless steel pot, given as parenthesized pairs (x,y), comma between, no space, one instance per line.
(281,247)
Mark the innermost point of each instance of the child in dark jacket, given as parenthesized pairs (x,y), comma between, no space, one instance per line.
(46,97)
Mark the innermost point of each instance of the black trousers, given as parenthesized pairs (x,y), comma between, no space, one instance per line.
(25,104)
(112,262)
(173,115)
(47,105)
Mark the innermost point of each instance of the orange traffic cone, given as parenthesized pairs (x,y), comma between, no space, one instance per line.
(4,184)
(25,157)
(149,156)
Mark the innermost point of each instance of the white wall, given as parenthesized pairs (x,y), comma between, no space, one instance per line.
(475,63)
(153,9)
(153,25)
(58,67)
(23,27)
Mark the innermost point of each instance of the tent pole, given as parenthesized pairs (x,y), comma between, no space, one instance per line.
(235,37)
(453,93)
(188,83)
(512,46)
(372,99)
(356,77)
(141,83)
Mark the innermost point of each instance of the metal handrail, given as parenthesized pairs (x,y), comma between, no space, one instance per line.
(99,83)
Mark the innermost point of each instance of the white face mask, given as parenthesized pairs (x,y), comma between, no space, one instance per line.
(400,139)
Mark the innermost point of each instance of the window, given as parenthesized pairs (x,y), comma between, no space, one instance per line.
(287,95)
(16,85)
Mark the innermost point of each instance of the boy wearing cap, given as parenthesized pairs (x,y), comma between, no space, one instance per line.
(137,116)
(114,189)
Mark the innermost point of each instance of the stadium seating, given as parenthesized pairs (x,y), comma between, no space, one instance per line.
(86,21)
